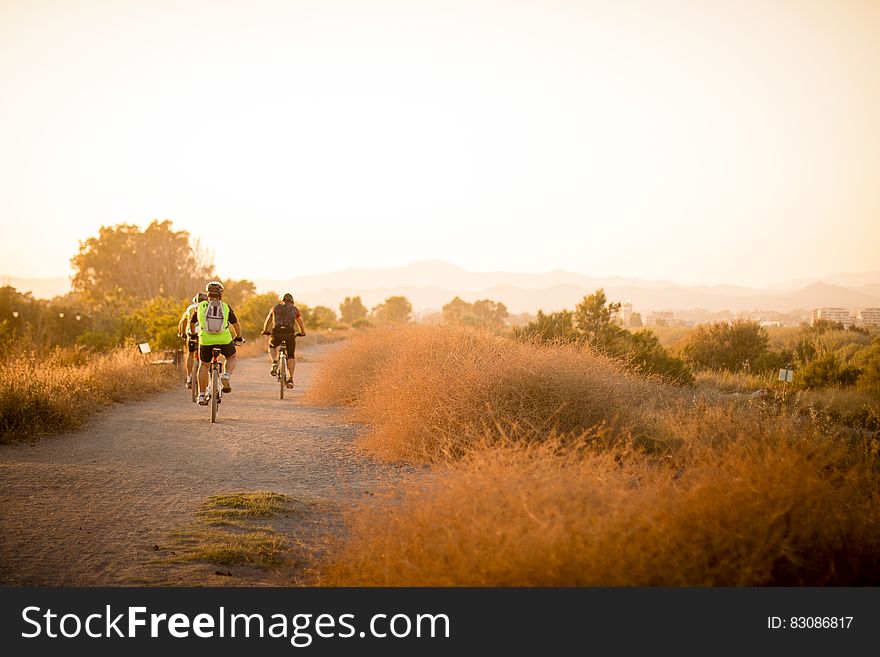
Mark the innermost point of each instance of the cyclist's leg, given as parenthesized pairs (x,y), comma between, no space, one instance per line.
(204,361)
(228,355)
(190,357)
(291,359)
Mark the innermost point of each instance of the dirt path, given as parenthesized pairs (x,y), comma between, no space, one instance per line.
(90,507)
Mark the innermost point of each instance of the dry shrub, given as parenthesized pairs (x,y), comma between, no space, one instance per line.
(346,373)
(431,393)
(59,389)
(554,467)
(771,510)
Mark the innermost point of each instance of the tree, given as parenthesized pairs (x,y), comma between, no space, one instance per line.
(555,327)
(491,314)
(635,320)
(322,317)
(456,310)
(236,292)
(485,313)
(125,266)
(351,310)
(394,311)
(825,371)
(252,312)
(155,322)
(643,353)
(868,360)
(594,318)
(726,346)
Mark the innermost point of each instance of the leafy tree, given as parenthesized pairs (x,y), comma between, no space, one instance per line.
(252,312)
(322,317)
(635,320)
(491,314)
(643,352)
(17,310)
(868,360)
(827,370)
(124,266)
(726,346)
(485,313)
(352,310)
(237,292)
(155,322)
(594,318)
(555,327)
(456,310)
(394,311)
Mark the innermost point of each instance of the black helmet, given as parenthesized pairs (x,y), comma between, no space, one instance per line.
(287,297)
(214,286)
(201,296)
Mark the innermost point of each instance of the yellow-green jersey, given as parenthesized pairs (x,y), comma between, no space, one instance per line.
(219,316)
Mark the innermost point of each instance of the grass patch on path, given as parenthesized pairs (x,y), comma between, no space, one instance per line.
(231,529)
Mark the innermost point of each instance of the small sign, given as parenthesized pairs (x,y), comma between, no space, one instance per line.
(144,348)
(786,375)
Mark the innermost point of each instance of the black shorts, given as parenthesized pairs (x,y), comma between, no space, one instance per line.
(192,343)
(285,334)
(206,351)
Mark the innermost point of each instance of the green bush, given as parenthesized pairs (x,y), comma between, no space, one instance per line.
(825,371)
(726,346)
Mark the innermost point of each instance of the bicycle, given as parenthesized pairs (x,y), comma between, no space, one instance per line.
(283,366)
(214,393)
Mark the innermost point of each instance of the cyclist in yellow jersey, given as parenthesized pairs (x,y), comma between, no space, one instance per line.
(218,327)
(192,339)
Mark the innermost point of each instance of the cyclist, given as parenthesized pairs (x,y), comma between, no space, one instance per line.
(215,318)
(285,319)
(192,339)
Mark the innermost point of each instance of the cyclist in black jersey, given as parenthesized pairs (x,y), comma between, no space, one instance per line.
(284,318)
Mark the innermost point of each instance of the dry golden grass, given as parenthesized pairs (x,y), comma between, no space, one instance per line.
(347,372)
(431,393)
(750,513)
(850,406)
(553,467)
(57,390)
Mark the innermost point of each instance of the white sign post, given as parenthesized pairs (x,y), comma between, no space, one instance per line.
(786,375)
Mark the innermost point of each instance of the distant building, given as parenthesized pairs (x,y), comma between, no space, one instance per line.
(624,314)
(841,315)
(660,318)
(869,317)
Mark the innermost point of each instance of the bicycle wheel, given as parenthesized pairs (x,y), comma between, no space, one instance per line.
(282,373)
(215,392)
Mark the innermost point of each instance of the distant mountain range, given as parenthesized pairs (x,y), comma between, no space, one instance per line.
(430,285)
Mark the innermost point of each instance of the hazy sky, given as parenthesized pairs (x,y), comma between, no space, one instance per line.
(700,141)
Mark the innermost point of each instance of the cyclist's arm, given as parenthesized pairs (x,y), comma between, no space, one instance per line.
(299,322)
(181,325)
(269,317)
(236,329)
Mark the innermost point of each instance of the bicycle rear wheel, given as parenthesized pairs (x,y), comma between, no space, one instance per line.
(282,373)
(215,392)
